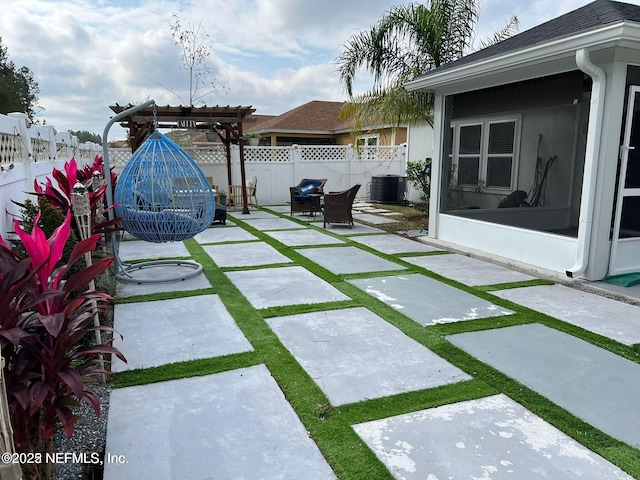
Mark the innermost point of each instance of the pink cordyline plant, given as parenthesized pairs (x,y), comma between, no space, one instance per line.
(62,196)
(44,319)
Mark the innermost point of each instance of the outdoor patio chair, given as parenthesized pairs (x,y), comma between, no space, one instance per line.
(236,192)
(252,185)
(337,206)
(215,188)
(305,197)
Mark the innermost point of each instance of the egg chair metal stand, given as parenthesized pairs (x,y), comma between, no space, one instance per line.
(162,195)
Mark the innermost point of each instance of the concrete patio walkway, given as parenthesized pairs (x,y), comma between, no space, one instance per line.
(357,309)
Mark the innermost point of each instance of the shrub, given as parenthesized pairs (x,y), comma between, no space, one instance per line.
(49,218)
(419,174)
(44,320)
(61,197)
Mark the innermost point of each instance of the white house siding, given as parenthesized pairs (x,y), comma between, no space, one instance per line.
(420,147)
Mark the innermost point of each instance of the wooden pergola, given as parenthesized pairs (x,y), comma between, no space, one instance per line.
(225,121)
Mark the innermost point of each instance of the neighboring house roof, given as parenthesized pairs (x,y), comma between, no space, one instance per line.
(253,123)
(256,122)
(591,17)
(312,117)
(315,117)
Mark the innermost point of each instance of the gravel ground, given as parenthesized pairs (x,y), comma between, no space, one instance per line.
(89,437)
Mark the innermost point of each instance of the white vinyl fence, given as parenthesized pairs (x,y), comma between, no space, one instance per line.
(278,168)
(28,153)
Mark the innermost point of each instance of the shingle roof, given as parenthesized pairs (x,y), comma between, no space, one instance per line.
(257,124)
(593,15)
(312,116)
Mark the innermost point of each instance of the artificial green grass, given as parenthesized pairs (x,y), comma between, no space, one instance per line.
(329,426)
(192,368)
(507,286)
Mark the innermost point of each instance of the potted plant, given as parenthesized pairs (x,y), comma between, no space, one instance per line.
(252,139)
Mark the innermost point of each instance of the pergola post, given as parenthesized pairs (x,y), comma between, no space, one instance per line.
(245,200)
(218,118)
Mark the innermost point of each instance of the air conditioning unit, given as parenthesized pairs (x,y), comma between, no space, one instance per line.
(389,189)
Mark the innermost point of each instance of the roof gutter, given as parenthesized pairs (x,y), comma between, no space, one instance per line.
(587,204)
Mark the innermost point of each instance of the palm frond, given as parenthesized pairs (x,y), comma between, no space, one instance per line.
(408,41)
(512,26)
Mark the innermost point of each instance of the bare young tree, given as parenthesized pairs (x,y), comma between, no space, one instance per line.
(195,52)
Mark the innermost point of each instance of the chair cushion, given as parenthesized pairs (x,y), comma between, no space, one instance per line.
(302,198)
(308,188)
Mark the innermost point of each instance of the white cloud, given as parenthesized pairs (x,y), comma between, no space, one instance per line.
(272,54)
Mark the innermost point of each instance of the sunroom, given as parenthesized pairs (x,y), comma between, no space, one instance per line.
(533,159)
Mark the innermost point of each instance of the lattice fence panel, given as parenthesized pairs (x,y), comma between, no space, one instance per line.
(379,154)
(389,153)
(267,154)
(207,156)
(119,157)
(325,153)
(12,150)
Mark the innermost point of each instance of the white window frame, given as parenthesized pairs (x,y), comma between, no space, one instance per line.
(363,140)
(365,150)
(485,123)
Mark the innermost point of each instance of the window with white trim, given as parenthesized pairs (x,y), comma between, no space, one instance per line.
(485,153)
(368,140)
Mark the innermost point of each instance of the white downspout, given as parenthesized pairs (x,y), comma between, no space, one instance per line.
(587,203)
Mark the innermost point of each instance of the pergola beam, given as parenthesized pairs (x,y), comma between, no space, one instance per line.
(221,119)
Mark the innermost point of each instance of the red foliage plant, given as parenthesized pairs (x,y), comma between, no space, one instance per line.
(44,320)
(61,197)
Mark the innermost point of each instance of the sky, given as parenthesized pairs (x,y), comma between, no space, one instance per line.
(271,54)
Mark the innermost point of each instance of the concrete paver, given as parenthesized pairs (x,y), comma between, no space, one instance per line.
(238,424)
(299,238)
(280,208)
(428,301)
(194,283)
(592,383)
(610,318)
(245,254)
(492,437)
(352,354)
(355,229)
(468,270)
(139,250)
(219,234)
(348,260)
(373,219)
(391,244)
(266,224)
(175,330)
(252,215)
(370,209)
(230,425)
(276,287)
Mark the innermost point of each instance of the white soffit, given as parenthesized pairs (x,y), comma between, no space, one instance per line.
(542,59)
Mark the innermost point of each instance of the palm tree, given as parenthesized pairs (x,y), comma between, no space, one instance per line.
(406,42)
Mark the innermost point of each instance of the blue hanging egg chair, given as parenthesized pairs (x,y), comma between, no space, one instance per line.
(162,195)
